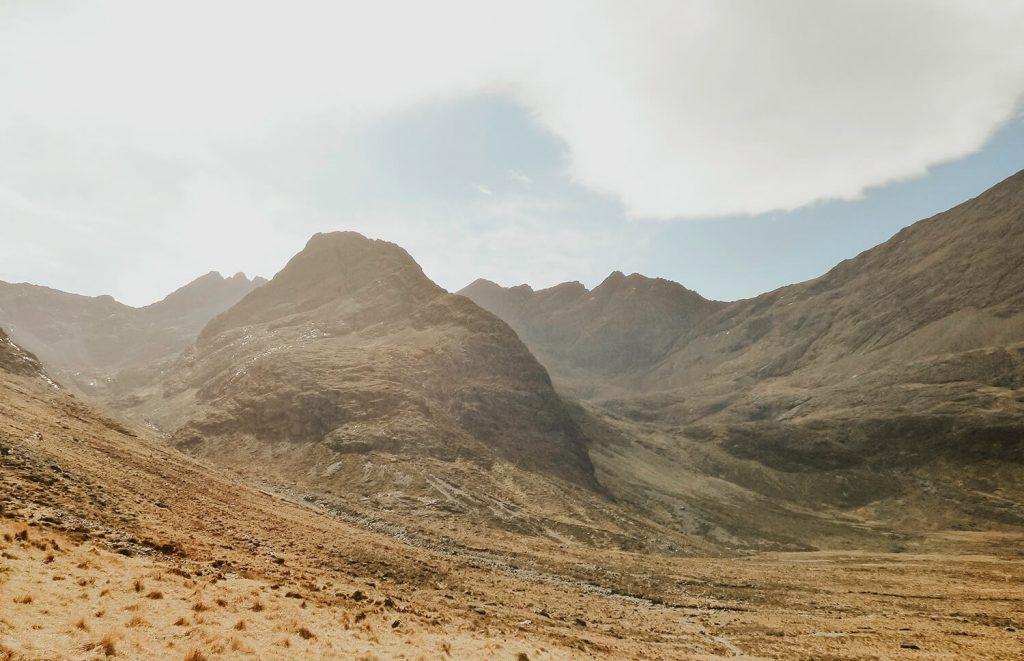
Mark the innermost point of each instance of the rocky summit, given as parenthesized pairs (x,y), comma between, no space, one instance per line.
(351,349)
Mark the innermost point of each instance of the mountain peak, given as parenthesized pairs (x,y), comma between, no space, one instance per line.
(334,274)
(347,256)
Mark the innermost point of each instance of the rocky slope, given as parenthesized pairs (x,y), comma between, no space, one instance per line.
(15,360)
(913,347)
(351,365)
(886,391)
(103,348)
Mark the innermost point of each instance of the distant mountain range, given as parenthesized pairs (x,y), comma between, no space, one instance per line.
(858,409)
(98,346)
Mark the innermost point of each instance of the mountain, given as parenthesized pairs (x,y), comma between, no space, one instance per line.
(886,392)
(917,341)
(353,377)
(350,349)
(100,347)
(624,325)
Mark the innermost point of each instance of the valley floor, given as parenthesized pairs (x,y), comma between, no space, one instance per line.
(112,542)
(61,598)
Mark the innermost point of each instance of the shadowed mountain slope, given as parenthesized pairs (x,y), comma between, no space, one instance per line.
(920,338)
(623,326)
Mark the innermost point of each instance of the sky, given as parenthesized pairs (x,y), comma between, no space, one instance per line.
(733,146)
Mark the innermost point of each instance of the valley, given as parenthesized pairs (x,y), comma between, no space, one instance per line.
(348,461)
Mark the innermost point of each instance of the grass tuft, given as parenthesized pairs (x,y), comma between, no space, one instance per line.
(107,644)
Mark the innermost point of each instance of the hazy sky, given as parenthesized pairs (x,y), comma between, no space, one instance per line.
(731,146)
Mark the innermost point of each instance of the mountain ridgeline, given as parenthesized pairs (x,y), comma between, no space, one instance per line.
(103,348)
(860,409)
(350,349)
(900,367)
(16,361)
(624,325)
(920,337)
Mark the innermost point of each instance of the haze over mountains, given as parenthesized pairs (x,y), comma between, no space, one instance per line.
(624,325)
(99,346)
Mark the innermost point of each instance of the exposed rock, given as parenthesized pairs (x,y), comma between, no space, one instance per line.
(350,349)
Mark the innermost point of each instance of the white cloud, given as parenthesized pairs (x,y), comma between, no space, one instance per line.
(119,113)
(517,176)
(678,108)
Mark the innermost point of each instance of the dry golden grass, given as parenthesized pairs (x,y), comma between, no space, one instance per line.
(505,600)
(107,644)
(779,606)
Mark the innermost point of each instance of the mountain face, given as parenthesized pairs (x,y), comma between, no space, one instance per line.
(925,328)
(625,325)
(101,347)
(920,339)
(351,350)
(899,368)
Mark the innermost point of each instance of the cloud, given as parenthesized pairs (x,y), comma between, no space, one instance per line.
(123,116)
(680,109)
(483,190)
(517,176)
